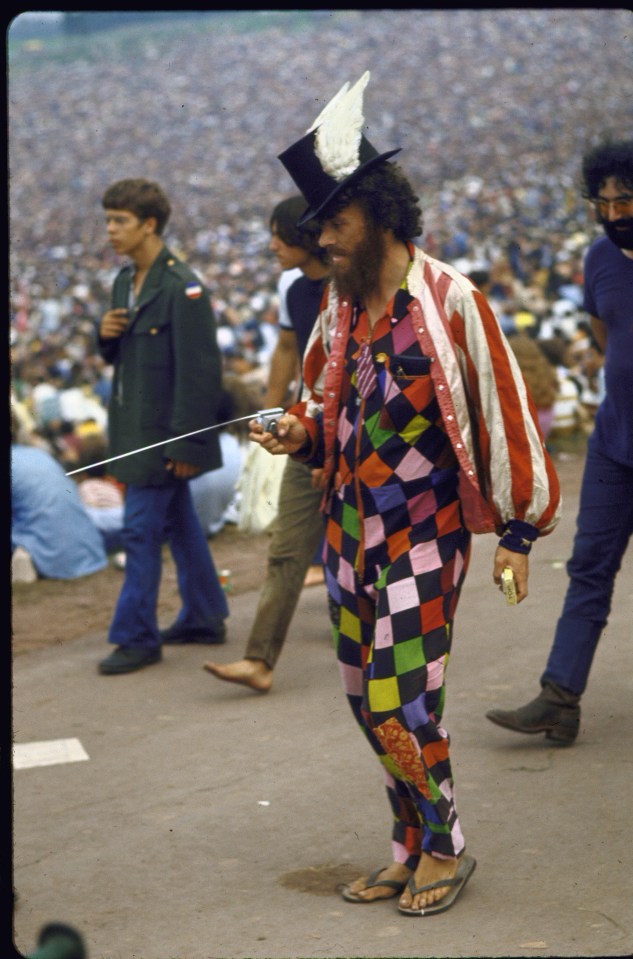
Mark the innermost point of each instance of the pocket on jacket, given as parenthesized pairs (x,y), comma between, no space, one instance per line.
(409,367)
(153,345)
(409,395)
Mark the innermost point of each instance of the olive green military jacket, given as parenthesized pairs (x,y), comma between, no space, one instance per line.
(167,374)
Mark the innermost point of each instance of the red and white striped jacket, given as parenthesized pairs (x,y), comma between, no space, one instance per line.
(506,472)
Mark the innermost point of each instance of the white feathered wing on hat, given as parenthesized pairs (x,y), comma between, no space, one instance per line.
(338,130)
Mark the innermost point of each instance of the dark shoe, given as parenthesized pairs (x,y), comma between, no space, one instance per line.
(555,712)
(125,659)
(177,635)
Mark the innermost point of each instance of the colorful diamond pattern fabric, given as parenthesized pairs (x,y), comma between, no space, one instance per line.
(396,556)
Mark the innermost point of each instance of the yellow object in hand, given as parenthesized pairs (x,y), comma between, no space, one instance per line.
(509,587)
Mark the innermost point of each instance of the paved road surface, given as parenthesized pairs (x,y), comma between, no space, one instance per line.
(213,823)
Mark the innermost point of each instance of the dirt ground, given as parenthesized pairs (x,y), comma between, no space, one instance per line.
(50,612)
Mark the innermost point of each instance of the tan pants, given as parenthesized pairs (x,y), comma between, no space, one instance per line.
(297,531)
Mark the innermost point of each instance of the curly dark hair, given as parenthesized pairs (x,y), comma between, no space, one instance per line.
(386,197)
(609,159)
(143,198)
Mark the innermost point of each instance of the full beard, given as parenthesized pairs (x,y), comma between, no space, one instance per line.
(619,231)
(360,279)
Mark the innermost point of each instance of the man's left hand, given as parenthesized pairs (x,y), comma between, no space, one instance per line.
(518,563)
(182,470)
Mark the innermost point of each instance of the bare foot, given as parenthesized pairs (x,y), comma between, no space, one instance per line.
(248,672)
(315,576)
(396,872)
(430,869)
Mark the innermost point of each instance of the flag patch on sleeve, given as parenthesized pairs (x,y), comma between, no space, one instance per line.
(193,291)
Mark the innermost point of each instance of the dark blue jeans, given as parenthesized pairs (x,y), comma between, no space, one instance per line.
(604,527)
(153,516)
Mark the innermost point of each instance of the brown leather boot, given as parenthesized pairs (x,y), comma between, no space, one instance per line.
(555,712)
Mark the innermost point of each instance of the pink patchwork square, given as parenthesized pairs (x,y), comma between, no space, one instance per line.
(352,679)
(425,557)
(422,506)
(413,465)
(344,430)
(402,595)
(435,673)
(383,634)
(374,531)
(345,575)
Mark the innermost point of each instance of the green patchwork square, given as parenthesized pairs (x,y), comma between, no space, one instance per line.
(349,522)
(376,433)
(408,655)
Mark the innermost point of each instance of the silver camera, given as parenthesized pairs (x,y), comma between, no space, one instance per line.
(268,418)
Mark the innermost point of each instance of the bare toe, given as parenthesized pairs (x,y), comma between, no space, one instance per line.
(381,884)
(254,673)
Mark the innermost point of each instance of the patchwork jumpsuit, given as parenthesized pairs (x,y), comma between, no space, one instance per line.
(396,554)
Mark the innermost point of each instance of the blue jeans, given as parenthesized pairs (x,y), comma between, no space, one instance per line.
(604,528)
(153,516)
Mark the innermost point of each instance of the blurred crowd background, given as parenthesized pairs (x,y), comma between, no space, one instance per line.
(493,110)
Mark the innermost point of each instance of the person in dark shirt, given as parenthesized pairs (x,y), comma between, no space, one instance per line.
(605,517)
(298,528)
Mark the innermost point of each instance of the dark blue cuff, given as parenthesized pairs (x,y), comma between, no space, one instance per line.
(518,536)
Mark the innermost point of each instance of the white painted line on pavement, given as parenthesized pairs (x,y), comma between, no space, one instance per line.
(27,755)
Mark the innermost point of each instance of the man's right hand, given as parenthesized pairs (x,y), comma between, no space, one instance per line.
(289,437)
(114,323)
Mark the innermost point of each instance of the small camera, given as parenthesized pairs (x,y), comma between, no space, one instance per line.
(269,418)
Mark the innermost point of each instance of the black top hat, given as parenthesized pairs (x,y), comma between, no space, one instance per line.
(317,186)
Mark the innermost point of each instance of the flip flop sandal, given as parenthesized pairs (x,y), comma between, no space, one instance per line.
(372,882)
(465,870)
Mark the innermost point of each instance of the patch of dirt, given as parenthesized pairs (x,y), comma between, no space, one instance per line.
(52,612)
(325,880)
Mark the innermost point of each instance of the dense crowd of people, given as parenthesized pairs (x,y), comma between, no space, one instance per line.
(500,101)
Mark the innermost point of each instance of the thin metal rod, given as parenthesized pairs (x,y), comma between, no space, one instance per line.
(172,439)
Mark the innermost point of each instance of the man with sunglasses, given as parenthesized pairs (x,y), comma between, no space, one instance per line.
(605,517)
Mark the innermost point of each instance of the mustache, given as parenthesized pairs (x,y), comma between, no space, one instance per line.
(622,223)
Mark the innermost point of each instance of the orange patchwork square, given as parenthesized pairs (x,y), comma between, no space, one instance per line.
(364,655)
(399,543)
(433,614)
(335,537)
(435,752)
(447,519)
(374,471)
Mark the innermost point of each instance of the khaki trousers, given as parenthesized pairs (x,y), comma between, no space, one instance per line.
(296,534)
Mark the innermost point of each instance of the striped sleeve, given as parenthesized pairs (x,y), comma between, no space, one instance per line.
(521,480)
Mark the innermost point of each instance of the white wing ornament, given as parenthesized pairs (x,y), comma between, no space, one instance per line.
(338,130)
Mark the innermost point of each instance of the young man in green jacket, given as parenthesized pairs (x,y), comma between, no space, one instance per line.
(160,335)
